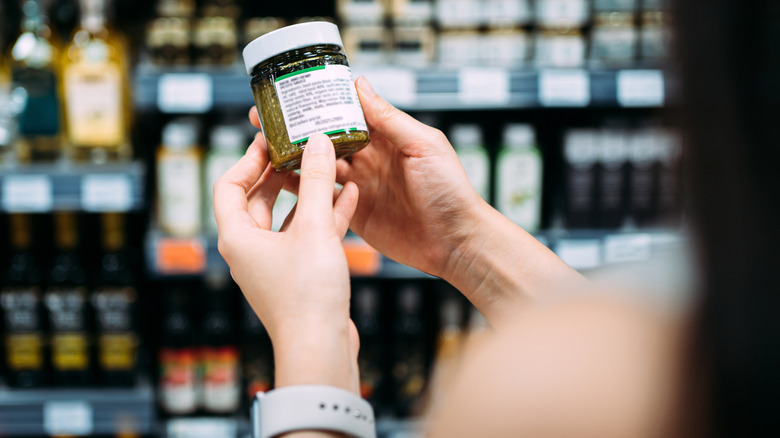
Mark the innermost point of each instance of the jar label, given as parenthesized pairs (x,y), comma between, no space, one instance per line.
(318,100)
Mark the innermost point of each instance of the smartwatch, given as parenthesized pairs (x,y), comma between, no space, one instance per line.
(311,407)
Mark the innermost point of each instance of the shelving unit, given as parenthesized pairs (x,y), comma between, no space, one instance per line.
(41,188)
(75,412)
(202,90)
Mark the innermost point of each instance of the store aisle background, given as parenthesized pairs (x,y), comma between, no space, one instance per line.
(120,317)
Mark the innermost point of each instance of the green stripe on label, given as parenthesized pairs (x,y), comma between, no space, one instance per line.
(299,72)
(327,133)
(300,141)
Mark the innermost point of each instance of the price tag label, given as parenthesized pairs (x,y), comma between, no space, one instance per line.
(106,193)
(362,259)
(185,93)
(27,193)
(564,88)
(397,85)
(483,85)
(580,253)
(180,256)
(620,248)
(67,418)
(202,428)
(644,88)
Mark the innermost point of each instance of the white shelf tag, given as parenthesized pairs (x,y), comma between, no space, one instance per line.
(580,253)
(184,93)
(67,418)
(27,193)
(569,88)
(483,85)
(202,428)
(640,88)
(620,248)
(106,193)
(396,85)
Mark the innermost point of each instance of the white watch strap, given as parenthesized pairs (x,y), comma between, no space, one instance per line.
(311,407)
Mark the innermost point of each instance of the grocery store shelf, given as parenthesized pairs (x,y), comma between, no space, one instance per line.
(190,90)
(41,188)
(174,257)
(75,412)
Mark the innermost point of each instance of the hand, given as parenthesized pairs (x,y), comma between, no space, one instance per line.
(297,280)
(416,204)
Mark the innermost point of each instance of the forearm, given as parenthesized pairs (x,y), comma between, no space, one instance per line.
(500,266)
(317,356)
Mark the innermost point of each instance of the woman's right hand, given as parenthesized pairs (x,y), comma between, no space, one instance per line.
(416,203)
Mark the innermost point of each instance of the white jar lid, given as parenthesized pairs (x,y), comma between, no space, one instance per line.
(289,38)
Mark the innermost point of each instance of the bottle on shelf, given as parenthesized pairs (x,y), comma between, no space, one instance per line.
(467,141)
(257,360)
(178,392)
(168,41)
(67,303)
(214,40)
(409,359)
(367,315)
(95,85)
(34,73)
(612,186)
(580,155)
(178,179)
(519,178)
(448,349)
(219,356)
(20,299)
(114,301)
(228,144)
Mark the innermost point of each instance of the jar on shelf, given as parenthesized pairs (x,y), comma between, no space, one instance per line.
(560,47)
(614,39)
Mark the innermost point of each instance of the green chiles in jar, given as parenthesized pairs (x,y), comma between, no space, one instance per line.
(303,86)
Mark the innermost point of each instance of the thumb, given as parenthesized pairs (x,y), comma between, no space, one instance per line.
(318,178)
(390,122)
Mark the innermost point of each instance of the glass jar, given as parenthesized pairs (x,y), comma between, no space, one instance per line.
(302,86)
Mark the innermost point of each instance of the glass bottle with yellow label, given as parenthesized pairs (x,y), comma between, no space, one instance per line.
(114,302)
(66,300)
(20,299)
(34,65)
(95,86)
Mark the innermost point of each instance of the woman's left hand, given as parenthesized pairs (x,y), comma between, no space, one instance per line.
(296,280)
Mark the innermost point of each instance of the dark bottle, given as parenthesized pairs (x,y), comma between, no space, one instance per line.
(67,301)
(612,186)
(114,301)
(409,350)
(367,317)
(219,357)
(580,152)
(642,187)
(257,360)
(178,361)
(20,299)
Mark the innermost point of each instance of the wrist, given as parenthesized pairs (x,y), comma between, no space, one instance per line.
(314,352)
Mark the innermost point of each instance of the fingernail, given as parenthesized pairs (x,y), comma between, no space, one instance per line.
(319,144)
(365,87)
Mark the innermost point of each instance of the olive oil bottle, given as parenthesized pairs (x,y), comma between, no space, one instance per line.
(114,301)
(95,84)
(66,300)
(20,299)
(34,67)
